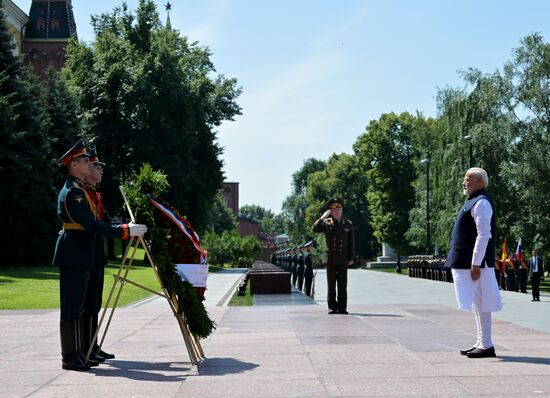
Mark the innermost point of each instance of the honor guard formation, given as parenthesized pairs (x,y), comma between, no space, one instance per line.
(298,261)
(79,254)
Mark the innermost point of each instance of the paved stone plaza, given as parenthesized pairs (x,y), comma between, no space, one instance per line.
(401,339)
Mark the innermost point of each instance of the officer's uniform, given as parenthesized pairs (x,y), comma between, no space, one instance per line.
(294,269)
(94,292)
(308,272)
(75,254)
(340,240)
(300,270)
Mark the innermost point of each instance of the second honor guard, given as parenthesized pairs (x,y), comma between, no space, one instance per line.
(308,272)
(94,293)
(301,266)
(340,240)
(75,250)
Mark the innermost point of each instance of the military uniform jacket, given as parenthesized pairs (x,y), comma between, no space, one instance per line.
(300,264)
(340,240)
(78,213)
(309,266)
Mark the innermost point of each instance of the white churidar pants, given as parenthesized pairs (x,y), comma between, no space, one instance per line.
(482,297)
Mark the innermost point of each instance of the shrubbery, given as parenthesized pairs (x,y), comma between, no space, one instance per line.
(230,247)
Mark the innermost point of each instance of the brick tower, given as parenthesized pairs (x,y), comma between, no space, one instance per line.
(51,24)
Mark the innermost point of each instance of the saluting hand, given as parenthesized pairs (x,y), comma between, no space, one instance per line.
(325,215)
(475,272)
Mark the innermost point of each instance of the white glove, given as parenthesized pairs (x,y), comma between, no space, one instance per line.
(137,229)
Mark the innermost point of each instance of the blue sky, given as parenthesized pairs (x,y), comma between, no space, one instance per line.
(315,72)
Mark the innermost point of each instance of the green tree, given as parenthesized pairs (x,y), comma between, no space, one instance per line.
(525,92)
(27,204)
(269,222)
(220,217)
(255,212)
(147,95)
(386,154)
(342,177)
(295,205)
(230,248)
(63,124)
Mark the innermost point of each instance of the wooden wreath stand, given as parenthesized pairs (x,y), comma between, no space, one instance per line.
(192,343)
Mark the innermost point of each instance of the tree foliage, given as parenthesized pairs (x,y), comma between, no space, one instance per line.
(148,95)
(230,248)
(28,172)
(220,217)
(343,177)
(295,205)
(386,153)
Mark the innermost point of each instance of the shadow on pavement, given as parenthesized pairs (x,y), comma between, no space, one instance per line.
(376,315)
(535,360)
(144,371)
(223,366)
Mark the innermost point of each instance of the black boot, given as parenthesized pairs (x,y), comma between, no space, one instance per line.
(68,332)
(96,349)
(85,327)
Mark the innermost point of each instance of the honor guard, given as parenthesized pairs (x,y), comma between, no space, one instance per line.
(301,266)
(294,265)
(340,240)
(75,250)
(94,293)
(308,272)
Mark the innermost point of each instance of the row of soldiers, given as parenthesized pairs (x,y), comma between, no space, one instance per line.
(514,272)
(298,260)
(429,267)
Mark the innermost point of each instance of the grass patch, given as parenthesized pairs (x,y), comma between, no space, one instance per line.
(38,287)
(246,300)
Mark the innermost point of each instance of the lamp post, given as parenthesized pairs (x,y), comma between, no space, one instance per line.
(426,161)
(469,139)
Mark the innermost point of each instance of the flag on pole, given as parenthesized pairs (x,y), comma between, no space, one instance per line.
(504,251)
(519,255)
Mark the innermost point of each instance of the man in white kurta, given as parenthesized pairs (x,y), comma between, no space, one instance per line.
(471,258)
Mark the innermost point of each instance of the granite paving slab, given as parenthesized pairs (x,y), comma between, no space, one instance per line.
(388,346)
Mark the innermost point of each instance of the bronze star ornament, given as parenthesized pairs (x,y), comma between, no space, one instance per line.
(168,6)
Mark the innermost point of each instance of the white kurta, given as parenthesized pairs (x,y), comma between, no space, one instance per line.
(482,294)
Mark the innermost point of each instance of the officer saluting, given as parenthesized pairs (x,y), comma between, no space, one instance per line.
(75,249)
(340,240)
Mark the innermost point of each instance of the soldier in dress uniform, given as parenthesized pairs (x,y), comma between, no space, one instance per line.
(75,250)
(308,272)
(301,266)
(340,240)
(94,293)
(294,265)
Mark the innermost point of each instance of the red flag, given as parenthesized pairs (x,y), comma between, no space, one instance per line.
(504,251)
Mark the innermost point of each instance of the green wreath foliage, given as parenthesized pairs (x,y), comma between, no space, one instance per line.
(189,303)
